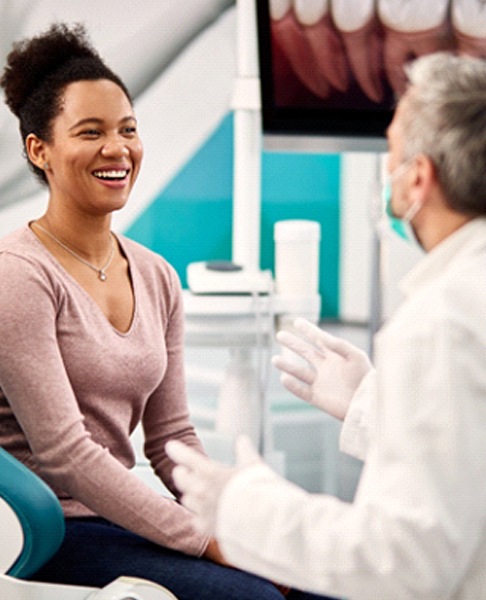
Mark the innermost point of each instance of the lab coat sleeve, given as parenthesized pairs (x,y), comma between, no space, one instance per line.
(415,525)
(355,432)
(269,526)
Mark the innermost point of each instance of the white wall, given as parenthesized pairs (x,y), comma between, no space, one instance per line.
(360,201)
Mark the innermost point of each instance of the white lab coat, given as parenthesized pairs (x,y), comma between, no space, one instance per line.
(417,527)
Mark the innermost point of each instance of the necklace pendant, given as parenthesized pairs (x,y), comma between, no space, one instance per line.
(102,275)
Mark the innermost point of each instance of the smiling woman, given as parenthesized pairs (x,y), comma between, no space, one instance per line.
(93,160)
(104,346)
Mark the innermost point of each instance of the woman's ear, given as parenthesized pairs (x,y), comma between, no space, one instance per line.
(36,151)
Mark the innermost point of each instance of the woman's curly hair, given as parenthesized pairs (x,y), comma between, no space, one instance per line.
(37,72)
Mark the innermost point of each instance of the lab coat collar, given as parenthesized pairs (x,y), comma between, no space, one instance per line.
(466,240)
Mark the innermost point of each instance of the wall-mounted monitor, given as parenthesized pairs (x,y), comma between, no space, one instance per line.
(331,70)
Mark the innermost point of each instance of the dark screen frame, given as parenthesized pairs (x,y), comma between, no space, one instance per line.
(341,126)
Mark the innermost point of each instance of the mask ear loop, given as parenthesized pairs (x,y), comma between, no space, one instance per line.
(416,206)
(400,170)
(412,211)
(400,226)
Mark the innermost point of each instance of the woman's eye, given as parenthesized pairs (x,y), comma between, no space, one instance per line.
(90,132)
(130,131)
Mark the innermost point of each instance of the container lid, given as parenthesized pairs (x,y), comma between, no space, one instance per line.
(296,230)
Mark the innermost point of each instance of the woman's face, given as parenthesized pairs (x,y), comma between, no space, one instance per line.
(95,153)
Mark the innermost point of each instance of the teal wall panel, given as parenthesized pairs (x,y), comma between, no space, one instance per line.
(305,186)
(190,219)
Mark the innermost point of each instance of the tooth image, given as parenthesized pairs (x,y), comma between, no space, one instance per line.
(279,8)
(469,25)
(360,32)
(326,45)
(412,28)
(289,37)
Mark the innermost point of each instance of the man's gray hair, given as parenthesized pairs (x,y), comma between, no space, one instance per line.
(445,119)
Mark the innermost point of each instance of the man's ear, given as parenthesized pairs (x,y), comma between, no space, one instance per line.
(425,178)
(36,151)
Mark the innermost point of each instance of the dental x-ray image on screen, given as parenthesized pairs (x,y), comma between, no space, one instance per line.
(334,68)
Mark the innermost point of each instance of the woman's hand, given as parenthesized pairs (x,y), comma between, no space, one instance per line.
(213,552)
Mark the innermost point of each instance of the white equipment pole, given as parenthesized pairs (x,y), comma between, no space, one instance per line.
(247,141)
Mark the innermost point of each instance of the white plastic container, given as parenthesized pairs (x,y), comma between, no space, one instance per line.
(297,244)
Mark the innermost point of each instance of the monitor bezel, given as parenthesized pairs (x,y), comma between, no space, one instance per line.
(323,128)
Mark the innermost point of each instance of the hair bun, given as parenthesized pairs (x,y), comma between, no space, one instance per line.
(32,60)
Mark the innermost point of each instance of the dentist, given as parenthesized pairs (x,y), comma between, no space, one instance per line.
(417,527)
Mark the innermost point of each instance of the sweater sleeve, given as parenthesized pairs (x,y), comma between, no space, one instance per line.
(34,380)
(166,415)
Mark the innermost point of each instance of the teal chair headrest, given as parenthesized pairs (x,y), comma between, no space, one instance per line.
(39,513)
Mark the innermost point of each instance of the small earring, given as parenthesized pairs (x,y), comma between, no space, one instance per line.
(46,166)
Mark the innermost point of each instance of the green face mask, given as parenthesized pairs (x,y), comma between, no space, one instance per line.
(400,226)
(397,225)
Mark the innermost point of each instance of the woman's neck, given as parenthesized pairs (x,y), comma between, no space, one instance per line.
(91,238)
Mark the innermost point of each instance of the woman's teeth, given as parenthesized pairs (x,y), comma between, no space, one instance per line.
(115,174)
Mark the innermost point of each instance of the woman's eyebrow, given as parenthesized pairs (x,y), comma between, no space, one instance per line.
(100,121)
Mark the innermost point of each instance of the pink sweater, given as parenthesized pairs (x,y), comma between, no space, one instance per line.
(73,388)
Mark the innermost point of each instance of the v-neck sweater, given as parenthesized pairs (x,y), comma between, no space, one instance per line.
(73,388)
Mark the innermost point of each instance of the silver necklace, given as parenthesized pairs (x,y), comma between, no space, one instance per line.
(101,271)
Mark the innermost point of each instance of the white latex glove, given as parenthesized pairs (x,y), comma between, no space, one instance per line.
(331,373)
(202,480)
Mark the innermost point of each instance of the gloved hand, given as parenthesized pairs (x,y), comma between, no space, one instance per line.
(202,480)
(332,371)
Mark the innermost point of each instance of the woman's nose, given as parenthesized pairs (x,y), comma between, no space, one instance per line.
(114,147)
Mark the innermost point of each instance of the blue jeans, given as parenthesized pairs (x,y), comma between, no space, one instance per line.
(95,552)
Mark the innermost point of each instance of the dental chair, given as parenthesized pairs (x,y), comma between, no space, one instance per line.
(31,531)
